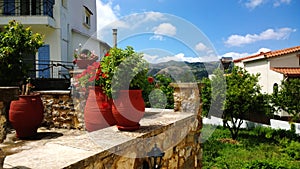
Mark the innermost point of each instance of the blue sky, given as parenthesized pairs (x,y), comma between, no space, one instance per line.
(201,30)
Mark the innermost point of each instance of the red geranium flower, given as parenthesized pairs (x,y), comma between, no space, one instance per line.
(104,75)
(150,79)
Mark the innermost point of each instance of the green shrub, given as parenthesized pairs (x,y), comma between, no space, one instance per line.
(292,149)
(265,164)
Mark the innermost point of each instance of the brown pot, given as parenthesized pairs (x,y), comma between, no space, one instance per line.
(83,64)
(128,109)
(97,111)
(26,115)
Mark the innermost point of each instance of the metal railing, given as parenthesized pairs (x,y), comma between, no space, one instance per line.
(26,8)
(50,69)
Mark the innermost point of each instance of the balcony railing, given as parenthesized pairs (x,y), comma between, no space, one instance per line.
(50,69)
(26,7)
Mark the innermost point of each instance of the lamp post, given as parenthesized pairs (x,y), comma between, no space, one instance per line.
(155,157)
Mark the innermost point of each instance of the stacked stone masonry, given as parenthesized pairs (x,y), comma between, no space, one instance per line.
(62,110)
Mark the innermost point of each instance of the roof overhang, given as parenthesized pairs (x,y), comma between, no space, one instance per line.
(288,71)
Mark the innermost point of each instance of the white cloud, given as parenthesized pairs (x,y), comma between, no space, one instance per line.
(178,57)
(163,29)
(236,55)
(269,34)
(201,47)
(254,3)
(251,4)
(106,13)
(279,2)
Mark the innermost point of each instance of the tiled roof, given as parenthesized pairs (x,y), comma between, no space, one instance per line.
(272,53)
(288,71)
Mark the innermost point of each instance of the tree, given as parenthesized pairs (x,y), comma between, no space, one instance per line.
(288,97)
(241,98)
(16,42)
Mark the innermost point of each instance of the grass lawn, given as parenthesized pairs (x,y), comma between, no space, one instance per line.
(258,148)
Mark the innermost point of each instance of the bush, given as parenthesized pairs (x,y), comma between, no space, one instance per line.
(265,164)
(292,149)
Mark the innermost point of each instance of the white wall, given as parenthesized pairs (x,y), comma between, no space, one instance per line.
(77,13)
(289,60)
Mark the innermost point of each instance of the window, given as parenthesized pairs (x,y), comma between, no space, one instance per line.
(87,17)
(275,89)
(8,7)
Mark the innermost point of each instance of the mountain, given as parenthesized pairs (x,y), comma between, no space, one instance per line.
(184,71)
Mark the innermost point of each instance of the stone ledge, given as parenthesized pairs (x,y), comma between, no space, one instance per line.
(79,151)
(54,92)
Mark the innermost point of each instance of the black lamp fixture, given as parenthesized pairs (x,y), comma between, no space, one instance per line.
(155,157)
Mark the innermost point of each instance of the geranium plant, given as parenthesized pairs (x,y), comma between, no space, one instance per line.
(84,54)
(123,69)
(89,77)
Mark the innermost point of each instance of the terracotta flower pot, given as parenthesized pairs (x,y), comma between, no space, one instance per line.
(83,64)
(26,115)
(128,109)
(97,111)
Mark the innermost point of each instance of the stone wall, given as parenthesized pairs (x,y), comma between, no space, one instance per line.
(62,110)
(179,141)
(7,94)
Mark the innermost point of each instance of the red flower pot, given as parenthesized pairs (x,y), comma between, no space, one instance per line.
(83,64)
(128,109)
(97,111)
(26,114)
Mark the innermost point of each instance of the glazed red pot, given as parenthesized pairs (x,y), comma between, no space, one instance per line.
(26,115)
(83,64)
(98,110)
(128,109)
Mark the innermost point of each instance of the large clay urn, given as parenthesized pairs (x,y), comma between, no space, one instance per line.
(128,109)
(97,111)
(26,115)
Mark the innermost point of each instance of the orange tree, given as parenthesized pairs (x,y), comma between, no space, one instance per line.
(16,41)
(241,98)
(288,97)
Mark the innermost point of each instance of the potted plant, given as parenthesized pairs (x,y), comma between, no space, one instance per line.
(84,57)
(124,78)
(17,43)
(27,113)
(97,111)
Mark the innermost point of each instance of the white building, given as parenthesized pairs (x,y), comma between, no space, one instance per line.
(273,67)
(65,24)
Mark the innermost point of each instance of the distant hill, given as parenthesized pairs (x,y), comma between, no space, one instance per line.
(184,71)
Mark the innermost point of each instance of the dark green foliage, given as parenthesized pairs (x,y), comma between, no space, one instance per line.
(124,69)
(16,42)
(160,93)
(205,96)
(265,164)
(288,97)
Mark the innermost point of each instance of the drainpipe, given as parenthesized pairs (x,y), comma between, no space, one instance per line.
(115,37)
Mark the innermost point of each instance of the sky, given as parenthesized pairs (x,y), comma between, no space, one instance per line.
(200,30)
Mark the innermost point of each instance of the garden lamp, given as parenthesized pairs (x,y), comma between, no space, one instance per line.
(155,157)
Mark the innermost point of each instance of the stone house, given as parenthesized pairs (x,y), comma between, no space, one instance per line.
(65,24)
(273,67)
